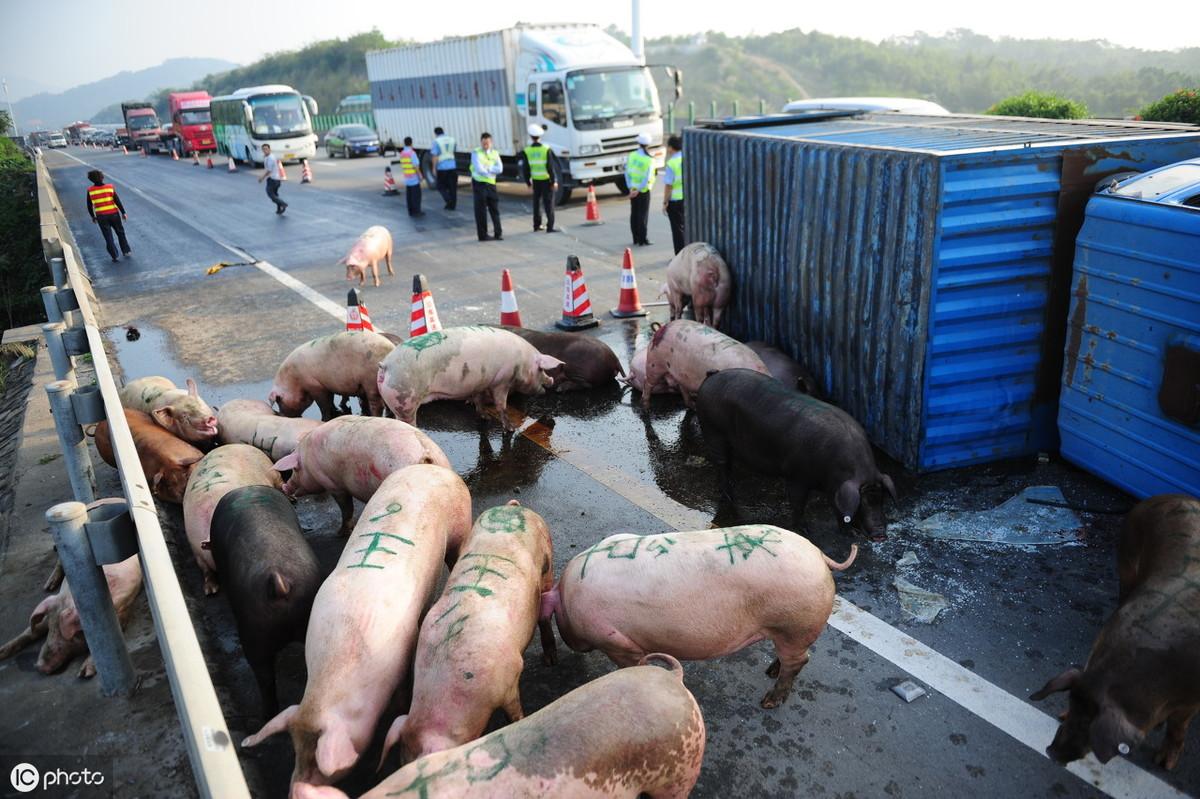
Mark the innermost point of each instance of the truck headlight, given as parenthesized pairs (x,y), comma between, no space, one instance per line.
(589,149)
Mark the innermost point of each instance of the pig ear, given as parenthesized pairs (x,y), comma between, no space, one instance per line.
(548,362)
(846,500)
(68,624)
(154,481)
(889,485)
(1112,734)
(272,727)
(289,461)
(191,384)
(38,617)
(278,585)
(1063,682)
(163,416)
(393,737)
(335,751)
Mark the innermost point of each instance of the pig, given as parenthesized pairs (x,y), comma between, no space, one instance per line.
(181,412)
(373,244)
(698,274)
(687,352)
(364,621)
(339,363)
(57,620)
(1142,668)
(786,370)
(587,362)
(713,592)
(351,455)
(637,376)
(167,460)
(222,470)
(475,362)
(253,422)
(780,432)
(634,732)
(270,574)
(470,649)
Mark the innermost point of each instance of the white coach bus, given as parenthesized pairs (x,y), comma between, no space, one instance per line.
(276,115)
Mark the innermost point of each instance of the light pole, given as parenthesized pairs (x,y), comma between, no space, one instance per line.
(12,118)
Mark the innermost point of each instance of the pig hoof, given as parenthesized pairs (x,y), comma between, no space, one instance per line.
(773,699)
(211,586)
(1168,758)
(88,670)
(773,669)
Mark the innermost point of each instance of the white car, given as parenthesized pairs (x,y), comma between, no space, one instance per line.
(901,105)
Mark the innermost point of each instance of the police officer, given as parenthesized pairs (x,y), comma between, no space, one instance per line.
(410,171)
(540,167)
(485,166)
(106,210)
(639,177)
(447,167)
(673,190)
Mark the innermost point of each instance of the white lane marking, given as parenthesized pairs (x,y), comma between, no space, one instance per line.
(1013,716)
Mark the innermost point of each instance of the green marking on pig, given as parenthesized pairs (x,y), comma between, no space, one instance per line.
(481,570)
(447,612)
(424,342)
(149,395)
(453,630)
(373,547)
(616,550)
(660,545)
(747,544)
(497,748)
(265,444)
(503,519)
(420,783)
(393,507)
(319,339)
(209,478)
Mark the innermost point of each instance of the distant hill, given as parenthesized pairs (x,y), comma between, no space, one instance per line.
(83,102)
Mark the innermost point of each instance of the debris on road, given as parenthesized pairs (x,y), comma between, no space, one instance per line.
(919,604)
(1027,518)
(908,559)
(908,691)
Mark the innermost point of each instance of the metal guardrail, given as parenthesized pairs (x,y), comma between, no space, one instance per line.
(324,122)
(84,546)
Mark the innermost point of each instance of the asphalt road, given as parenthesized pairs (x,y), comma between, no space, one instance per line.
(1016,616)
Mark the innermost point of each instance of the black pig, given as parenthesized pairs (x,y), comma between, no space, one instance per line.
(269,573)
(780,432)
(1142,668)
(587,362)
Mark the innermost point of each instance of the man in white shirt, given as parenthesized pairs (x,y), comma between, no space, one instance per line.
(273,174)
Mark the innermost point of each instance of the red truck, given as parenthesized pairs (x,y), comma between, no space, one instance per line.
(191,124)
(145,132)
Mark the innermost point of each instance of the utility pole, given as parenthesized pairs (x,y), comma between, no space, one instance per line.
(11,116)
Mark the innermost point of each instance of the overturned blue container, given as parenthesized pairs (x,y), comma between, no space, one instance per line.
(919,265)
(1130,407)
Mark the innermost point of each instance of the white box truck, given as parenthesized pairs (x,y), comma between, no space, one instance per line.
(589,91)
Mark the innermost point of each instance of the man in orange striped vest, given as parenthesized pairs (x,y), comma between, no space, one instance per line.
(410,171)
(106,210)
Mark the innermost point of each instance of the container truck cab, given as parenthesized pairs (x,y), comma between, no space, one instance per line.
(588,90)
(191,123)
(145,131)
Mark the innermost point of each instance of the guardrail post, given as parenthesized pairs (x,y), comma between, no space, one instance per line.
(70,437)
(735,108)
(50,302)
(762,106)
(58,271)
(712,109)
(64,369)
(101,626)
(691,112)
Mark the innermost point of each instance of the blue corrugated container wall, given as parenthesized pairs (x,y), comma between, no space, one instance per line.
(920,266)
(1136,293)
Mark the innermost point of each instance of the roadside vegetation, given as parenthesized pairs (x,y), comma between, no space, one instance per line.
(1039,104)
(22,272)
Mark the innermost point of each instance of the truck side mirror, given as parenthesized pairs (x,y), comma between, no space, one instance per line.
(678,82)
(248,115)
(311,105)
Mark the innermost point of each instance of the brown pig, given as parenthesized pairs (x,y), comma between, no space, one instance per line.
(1142,668)
(698,274)
(166,459)
(375,243)
(686,352)
(634,732)
(57,620)
(181,412)
(340,363)
(713,592)
(470,650)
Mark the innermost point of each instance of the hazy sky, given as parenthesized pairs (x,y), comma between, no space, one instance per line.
(69,42)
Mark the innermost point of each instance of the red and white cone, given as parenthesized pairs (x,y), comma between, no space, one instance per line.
(593,208)
(577,308)
(389,183)
(210,163)
(424,318)
(509,314)
(232,164)
(306,172)
(357,317)
(124,150)
(629,304)
(282,172)
(174,155)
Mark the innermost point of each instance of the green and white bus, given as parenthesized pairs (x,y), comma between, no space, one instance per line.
(276,115)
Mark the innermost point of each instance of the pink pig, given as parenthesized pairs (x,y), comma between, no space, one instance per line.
(253,422)
(339,363)
(700,275)
(687,352)
(352,455)
(373,244)
(364,621)
(637,375)
(182,412)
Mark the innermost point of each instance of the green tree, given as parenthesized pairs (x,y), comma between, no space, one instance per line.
(1039,104)
(1181,106)
(21,269)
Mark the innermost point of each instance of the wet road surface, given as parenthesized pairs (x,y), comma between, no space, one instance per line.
(592,465)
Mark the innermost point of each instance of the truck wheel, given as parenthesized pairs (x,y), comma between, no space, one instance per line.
(622,186)
(427,170)
(563,195)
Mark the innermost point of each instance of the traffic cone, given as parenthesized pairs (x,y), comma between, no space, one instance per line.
(232,165)
(577,308)
(424,317)
(174,155)
(210,163)
(389,185)
(145,152)
(306,171)
(593,208)
(282,172)
(124,150)
(196,159)
(357,317)
(629,304)
(509,314)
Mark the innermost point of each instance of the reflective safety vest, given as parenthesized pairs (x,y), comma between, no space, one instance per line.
(537,155)
(445,149)
(639,167)
(408,164)
(101,198)
(487,158)
(676,165)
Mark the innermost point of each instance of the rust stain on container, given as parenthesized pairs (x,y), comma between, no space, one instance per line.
(1076,325)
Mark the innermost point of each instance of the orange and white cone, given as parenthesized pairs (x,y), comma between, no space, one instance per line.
(124,150)
(232,164)
(195,158)
(174,155)
(577,308)
(357,317)
(424,318)
(389,183)
(629,304)
(210,163)
(306,172)
(509,314)
(282,173)
(593,208)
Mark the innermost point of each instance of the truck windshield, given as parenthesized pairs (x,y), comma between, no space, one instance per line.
(279,115)
(600,97)
(194,117)
(144,122)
